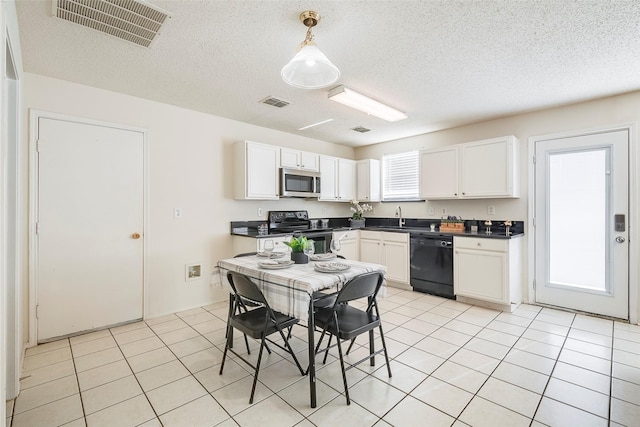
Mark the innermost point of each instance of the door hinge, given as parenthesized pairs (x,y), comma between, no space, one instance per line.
(534,160)
(534,222)
(37,228)
(37,311)
(534,284)
(38,145)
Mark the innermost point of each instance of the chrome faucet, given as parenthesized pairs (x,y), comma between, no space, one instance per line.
(399,215)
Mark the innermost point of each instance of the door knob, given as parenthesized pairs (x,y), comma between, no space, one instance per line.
(620,239)
(135,236)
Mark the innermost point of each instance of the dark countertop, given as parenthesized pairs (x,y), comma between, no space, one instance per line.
(412,226)
(425,231)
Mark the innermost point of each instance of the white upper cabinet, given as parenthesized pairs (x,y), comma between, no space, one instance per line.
(296,159)
(346,180)
(480,169)
(256,171)
(489,168)
(439,173)
(337,179)
(368,180)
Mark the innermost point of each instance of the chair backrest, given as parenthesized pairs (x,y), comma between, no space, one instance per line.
(365,285)
(243,287)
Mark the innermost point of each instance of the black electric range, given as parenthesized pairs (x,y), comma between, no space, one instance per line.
(298,223)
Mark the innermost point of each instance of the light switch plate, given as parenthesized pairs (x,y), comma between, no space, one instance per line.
(431,211)
(491,210)
(177,212)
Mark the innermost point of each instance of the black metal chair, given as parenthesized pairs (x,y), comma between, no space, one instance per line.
(346,322)
(258,323)
(325,299)
(243,305)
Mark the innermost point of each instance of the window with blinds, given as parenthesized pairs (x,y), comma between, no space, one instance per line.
(400,176)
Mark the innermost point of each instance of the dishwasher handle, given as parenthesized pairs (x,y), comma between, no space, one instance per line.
(431,242)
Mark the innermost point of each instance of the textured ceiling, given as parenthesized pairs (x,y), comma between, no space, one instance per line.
(444,63)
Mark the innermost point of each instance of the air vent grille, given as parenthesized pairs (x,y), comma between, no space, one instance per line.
(130,20)
(360,129)
(270,100)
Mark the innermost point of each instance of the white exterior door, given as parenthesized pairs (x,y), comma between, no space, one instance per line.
(90,227)
(582,212)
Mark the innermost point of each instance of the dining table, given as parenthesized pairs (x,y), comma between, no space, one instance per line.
(289,289)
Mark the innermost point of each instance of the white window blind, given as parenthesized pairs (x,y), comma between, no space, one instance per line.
(400,176)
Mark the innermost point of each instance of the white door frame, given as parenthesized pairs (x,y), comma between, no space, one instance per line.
(634,213)
(34,116)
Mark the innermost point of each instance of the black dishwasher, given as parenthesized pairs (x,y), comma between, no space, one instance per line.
(432,264)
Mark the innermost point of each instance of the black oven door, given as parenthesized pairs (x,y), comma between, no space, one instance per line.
(321,240)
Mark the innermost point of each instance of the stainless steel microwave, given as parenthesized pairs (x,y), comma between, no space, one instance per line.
(299,183)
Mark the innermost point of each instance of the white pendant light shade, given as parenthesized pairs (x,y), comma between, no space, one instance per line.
(310,69)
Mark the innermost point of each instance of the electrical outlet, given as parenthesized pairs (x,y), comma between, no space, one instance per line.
(177,212)
(432,211)
(491,210)
(260,212)
(443,211)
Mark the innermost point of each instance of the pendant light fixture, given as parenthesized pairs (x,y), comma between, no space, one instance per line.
(310,68)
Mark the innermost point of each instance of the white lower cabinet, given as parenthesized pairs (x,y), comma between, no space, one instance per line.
(488,270)
(388,249)
(349,244)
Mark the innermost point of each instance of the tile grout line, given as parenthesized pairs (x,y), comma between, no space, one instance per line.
(75,370)
(554,368)
(135,377)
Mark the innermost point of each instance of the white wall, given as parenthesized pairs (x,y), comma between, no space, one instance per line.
(607,112)
(13,263)
(189,162)
(191,156)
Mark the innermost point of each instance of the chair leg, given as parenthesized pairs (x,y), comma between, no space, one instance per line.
(226,348)
(326,352)
(384,347)
(246,342)
(288,346)
(372,350)
(255,375)
(353,340)
(344,373)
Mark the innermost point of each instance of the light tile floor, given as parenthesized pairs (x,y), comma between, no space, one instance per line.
(452,364)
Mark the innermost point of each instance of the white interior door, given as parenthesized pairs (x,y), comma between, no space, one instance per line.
(582,213)
(90,207)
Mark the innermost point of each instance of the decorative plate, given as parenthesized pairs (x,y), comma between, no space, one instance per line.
(275,265)
(272,255)
(323,257)
(331,267)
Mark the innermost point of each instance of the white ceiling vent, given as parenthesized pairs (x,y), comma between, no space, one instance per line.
(130,20)
(360,129)
(270,100)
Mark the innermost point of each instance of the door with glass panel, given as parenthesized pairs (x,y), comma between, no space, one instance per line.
(581,218)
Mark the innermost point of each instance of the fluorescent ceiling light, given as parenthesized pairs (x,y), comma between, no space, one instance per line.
(316,124)
(353,99)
